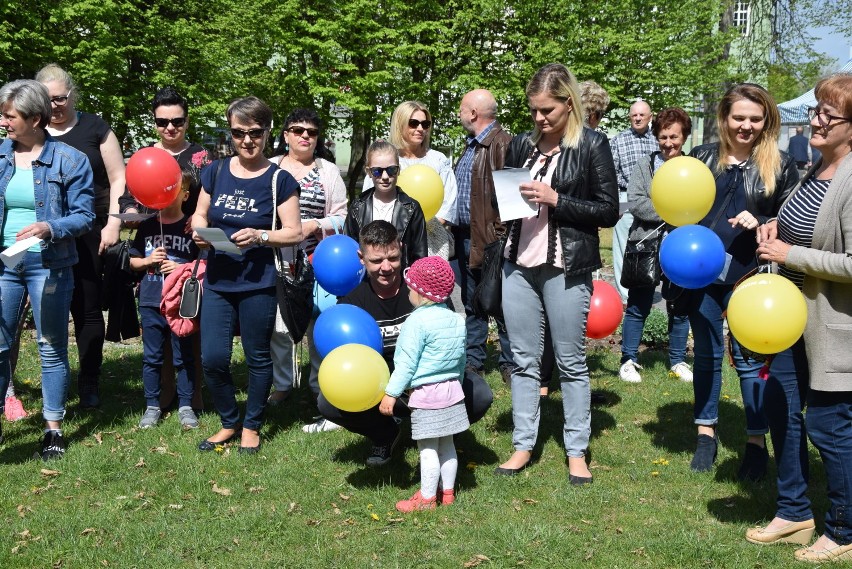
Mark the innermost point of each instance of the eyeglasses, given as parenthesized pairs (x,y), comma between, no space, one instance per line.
(300,130)
(377,172)
(413,123)
(177,121)
(823,117)
(60,100)
(254,133)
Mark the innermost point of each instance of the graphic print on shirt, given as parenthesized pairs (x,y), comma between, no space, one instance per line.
(236,202)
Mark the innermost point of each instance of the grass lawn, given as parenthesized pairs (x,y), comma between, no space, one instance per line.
(129,498)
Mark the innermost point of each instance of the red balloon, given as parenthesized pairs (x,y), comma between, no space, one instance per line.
(605,311)
(153,177)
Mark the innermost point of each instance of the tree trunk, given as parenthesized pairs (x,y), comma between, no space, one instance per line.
(358,157)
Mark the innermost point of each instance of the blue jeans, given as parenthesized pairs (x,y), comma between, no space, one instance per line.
(829,422)
(254,310)
(639,303)
(50,293)
(155,334)
(785,395)
(705,317)
(477,328)
(539,297)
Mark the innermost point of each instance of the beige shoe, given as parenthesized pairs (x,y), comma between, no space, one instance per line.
(836,553)
(792,532)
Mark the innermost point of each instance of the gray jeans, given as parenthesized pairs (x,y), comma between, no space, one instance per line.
(532,299)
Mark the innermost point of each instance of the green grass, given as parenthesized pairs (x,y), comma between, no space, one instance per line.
(129,498)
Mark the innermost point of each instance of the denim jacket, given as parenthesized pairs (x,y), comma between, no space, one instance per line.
(64,197)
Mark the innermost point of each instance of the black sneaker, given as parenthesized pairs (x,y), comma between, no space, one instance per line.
(382,454)
(705,454)
(52,446)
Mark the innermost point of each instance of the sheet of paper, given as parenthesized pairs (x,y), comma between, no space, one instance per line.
(133,216)
(510,202)
(218,240)
(14,253)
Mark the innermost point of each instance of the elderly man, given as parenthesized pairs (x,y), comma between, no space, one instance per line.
(627,146)
(478,221)
(798,148)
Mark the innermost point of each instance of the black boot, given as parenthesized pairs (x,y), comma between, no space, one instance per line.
(705,454)
(87,388)
(754,463)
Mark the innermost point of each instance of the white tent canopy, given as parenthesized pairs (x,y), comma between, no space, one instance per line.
(795,111)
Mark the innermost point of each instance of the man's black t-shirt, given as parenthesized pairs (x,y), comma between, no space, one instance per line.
(389,313)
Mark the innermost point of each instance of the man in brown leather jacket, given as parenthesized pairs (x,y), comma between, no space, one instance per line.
(479,223)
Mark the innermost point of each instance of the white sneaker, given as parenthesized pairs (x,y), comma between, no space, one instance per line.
(627,372)
(682,372)
(321,426)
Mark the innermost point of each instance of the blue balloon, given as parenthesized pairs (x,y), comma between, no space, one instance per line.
(346,324)
(692,256)
(336,265)
(322,299)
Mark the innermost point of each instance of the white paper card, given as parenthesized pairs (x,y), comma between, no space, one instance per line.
(217,238)
(131,217)
(510,202)
(14,253)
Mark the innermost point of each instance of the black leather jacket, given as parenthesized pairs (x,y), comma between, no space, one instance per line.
(407,218)
(588,197)
(760,205)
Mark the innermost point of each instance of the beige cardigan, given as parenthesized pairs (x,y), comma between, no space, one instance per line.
(827,287)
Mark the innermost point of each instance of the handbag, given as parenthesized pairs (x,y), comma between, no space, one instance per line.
(641,266)
(488,295)
(190,294)
(294,288)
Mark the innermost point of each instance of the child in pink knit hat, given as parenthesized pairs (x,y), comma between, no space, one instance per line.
(430,360)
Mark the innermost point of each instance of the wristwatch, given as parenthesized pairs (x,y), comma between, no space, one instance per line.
(264,237)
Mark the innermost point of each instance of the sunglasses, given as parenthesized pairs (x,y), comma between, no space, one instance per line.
(377,172)
(254,133)
(414,123)
(177,121)
(300,130)
(60,100)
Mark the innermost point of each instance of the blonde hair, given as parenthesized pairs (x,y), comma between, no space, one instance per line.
(52,72)
(381,146)
(556,81)
(399,122)
(764,152)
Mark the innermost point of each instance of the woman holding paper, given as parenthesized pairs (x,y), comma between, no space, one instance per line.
(549,259)
(239,289)
(47,197)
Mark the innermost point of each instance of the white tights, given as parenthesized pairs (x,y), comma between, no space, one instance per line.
(438,460)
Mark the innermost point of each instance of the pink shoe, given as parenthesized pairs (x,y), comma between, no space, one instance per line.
(416,503)
(14,409)
(446,497)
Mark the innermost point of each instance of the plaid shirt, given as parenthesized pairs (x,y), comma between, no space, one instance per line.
(627,147)
(463,173)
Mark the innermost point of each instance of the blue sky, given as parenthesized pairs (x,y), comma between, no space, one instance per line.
(832,44)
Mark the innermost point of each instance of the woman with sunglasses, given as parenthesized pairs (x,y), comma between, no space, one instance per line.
(322,205)
(171,119)
(384,200)
(753,177)
(811,240)
(550,256)
(93,137)
(410,132)
(239,289)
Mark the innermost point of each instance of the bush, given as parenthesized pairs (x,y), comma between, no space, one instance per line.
(656,332)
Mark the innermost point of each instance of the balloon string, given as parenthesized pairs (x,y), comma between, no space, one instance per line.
(653,232)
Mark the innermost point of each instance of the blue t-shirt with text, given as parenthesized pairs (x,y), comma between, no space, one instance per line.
(179,247)
(237,203)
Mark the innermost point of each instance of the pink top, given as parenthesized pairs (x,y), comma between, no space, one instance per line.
(436,395)
(532,243)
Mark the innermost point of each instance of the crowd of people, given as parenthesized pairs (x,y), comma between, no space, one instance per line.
(63,180)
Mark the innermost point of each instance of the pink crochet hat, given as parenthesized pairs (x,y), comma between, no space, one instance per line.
(432,277)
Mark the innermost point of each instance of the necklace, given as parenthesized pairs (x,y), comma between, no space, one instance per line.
(172,152)
(297,169)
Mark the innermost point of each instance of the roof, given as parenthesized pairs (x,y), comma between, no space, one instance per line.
(795,111)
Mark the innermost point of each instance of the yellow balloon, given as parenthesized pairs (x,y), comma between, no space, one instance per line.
(683,190)
(353,377)
(767,313)
(424,185)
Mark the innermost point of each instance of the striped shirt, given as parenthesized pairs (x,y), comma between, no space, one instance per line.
(311,203)
(797,219)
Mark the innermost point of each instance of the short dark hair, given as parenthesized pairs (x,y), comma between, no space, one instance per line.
(670,116)
(378,233)
(307,116)
(169,96)
(250,109)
